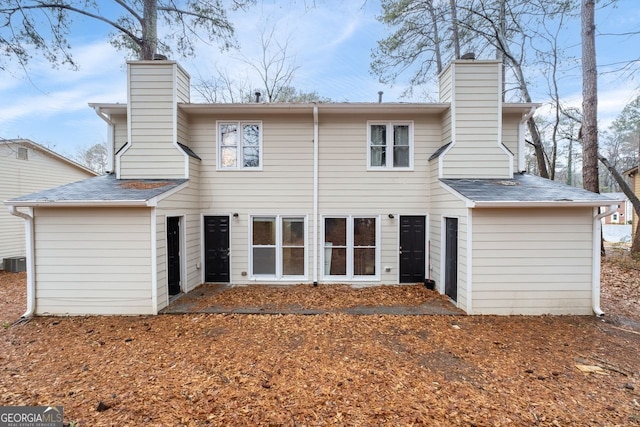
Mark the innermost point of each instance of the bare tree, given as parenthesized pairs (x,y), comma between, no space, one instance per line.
(27,26)
(94,157)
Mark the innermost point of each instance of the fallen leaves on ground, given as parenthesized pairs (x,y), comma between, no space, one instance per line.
(331,369)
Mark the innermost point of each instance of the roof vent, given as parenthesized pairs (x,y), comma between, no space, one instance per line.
(159,57)
(468,55)
(257,94)
(380,96)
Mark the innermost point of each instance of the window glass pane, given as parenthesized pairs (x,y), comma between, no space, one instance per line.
(264,260)
(335,261)
(251,135)
(378,134)
(228,156)
(364,261)
(335,231)
(364,232)
(229,134)
(251,157)
(378,156)
(264,231)
(400,135)
(293,231)
(293,261)
(401,157)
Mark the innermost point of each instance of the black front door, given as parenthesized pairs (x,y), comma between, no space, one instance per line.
(216,249)
(173,254)
(451,258)
(412,249)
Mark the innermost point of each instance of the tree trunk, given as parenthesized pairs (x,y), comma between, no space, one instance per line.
(436,37)
(149,29)
(455,35)
(628,191)
(538,148)
(589,99)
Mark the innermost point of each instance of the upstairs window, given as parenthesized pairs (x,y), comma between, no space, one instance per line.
(390,145)
(239,145)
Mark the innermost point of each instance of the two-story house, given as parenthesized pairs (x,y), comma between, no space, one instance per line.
(280,194)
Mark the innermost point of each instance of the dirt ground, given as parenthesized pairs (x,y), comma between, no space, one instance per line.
(330,369)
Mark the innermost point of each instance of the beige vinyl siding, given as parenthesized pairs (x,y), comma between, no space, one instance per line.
(152,123)
(444,204)
(18,177)
(284,186)
(532,261)
(185,204)
(476,116)
(120,131)
(446,85)
(348,188)
(93,261)
(511,134)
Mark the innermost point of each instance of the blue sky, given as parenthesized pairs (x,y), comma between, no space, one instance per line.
(331,44)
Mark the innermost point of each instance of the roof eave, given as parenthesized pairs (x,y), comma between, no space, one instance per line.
(543,203)
(77,203)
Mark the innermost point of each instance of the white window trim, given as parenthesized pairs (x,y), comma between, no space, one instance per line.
(350,248)
(278,276)
(390,124)
(239,162)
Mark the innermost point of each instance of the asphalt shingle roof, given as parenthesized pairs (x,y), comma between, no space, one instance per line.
(105,188)
(522,188)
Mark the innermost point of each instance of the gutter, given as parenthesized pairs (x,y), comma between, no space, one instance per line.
(315,194)
(29,231)
(110,136)
(595,275)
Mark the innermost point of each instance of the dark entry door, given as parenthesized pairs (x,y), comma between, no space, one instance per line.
(451,258)
(412,249)
(216,249)
(173,254)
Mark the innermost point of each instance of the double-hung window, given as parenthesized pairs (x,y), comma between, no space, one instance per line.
(278,247)
(351,247)
(390,145)
(239,145)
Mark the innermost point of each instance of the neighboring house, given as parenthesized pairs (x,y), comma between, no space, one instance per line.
(281,194)
(624,213)
(27,167)
(635,185)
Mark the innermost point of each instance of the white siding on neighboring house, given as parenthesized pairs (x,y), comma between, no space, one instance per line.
(476,119)
(93,261)
(532,261)
(20,176)
(152,122)
(184,204)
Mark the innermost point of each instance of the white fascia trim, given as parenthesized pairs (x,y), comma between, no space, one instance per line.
(82,203)
(540,204)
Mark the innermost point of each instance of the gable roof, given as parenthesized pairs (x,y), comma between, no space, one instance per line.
(523,190)
(48,152)
(103,190)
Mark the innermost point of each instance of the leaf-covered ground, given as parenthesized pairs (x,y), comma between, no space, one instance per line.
(331,369)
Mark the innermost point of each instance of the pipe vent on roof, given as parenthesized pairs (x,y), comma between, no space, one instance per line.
(380,96)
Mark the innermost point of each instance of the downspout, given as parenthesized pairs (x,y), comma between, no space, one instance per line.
(110,138)
(31,291)
(521,142)
(595,275)
(315,195)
